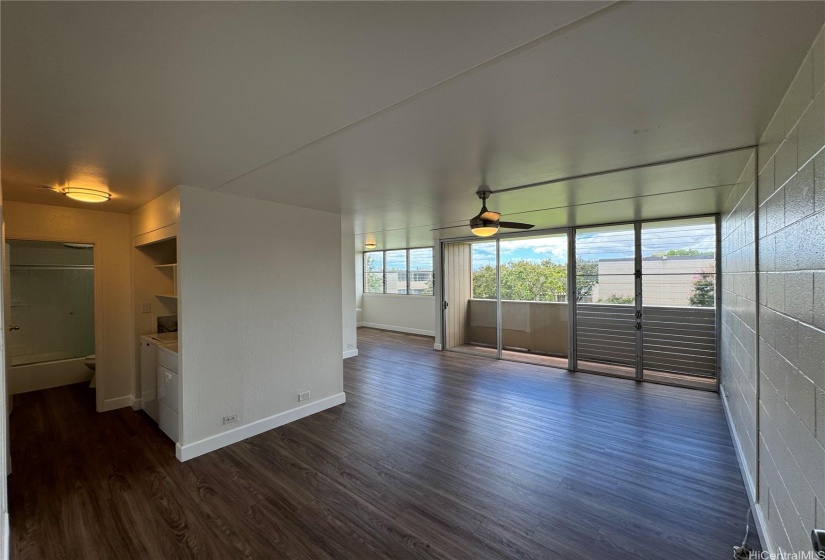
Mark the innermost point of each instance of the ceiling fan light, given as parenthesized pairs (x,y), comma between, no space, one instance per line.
(483,228)
(86,195)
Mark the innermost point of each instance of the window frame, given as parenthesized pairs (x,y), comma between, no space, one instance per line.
(408,272)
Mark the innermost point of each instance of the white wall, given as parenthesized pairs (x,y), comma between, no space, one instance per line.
(397,312)
(348,287)
(738,350)
(109,231)
(779,424)
(260,293)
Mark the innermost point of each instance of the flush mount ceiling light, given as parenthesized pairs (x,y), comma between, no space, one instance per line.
(86,195)
(370,245)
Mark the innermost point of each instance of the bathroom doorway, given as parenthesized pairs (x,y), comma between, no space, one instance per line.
(50,334)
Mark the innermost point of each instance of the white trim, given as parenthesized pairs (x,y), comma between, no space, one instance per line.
(136,404)
(436,346)
(758,514)
(405,296)
(350,353)
(762,529)
(359,324)
(398,329)
(212,443)
(119,402)
(6,537)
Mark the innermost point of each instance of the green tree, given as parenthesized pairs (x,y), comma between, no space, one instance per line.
(522,280)
(484,282)
(613,298)
(428,291)
(683,253)
(374,276)
(587,274)
(704,291)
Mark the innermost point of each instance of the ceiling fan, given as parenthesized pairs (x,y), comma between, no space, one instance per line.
(487,222)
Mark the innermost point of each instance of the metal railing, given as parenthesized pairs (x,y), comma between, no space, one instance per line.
(679,340)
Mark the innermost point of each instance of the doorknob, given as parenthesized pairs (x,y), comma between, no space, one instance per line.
(14,328)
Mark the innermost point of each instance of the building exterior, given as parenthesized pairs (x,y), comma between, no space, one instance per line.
(668,280)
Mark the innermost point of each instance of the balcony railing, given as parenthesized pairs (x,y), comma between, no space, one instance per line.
(678,340)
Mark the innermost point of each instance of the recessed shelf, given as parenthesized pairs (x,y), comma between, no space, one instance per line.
(170,296)
(172,265)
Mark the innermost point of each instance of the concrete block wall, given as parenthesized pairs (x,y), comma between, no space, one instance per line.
(790,220)
(738,349)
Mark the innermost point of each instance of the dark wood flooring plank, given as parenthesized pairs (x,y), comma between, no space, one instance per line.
(436,455)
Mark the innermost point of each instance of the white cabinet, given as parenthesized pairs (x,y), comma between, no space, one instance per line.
(168,383)
(148,377)
(168,388)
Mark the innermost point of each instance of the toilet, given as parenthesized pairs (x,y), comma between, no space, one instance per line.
(89,362)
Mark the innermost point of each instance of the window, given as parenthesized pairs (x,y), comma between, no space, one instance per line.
(400,271)
(374,272)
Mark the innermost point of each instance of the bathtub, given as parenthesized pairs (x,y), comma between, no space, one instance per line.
(44,375)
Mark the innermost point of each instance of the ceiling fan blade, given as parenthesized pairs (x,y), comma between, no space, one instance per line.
(515,225)
(490,216)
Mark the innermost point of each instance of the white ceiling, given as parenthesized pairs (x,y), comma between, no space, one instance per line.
(393,113)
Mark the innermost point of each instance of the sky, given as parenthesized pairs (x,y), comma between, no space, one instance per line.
(420,259)
(604,242)
(610,242)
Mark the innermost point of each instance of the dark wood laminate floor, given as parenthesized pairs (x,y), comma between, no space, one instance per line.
(435,455)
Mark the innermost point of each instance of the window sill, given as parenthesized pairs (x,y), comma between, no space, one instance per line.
(405,296)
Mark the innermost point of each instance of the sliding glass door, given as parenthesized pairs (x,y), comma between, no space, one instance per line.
(606,302)
(529,322)
(679,290)
(534,316)
(642,304)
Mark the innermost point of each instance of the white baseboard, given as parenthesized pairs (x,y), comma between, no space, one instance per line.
(406,330)
(135,404)
(750,487)
(119,402)
(436,346)
(6,536)
(350,353)
(762,528)
(212,443)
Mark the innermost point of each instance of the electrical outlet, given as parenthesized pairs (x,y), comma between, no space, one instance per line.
(232,418)
(303,396)
(146,307)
